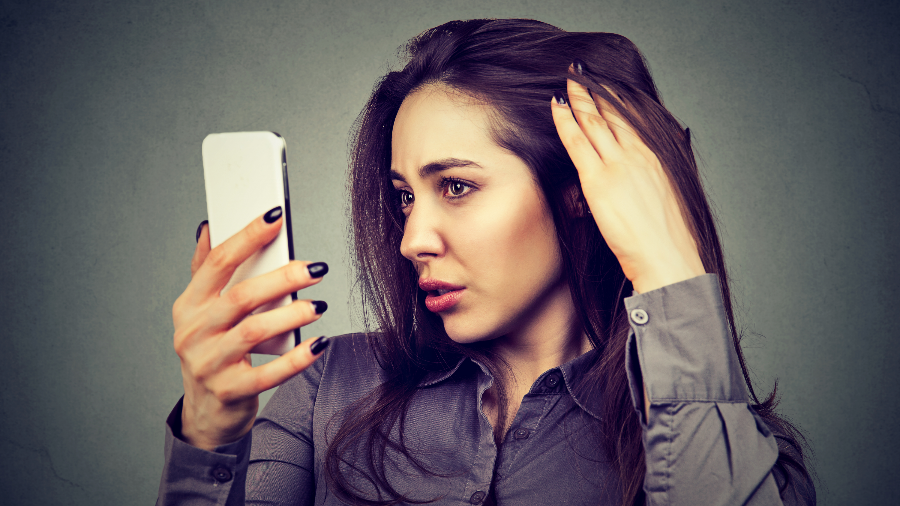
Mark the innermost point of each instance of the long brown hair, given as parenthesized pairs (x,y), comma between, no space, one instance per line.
(514,66)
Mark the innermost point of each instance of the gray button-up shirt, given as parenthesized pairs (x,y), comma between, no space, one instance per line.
(703,443)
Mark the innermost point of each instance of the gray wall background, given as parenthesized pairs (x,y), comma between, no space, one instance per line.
(795,107)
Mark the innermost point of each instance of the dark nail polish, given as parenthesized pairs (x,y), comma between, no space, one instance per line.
(200,229)
(317,270)
(320,305)
(319,345)
(579,66)
(559,97)
(272,215)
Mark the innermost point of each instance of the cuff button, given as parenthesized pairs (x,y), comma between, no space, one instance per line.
(221,474)
(639,316)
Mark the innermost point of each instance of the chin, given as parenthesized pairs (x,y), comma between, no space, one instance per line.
(467,332)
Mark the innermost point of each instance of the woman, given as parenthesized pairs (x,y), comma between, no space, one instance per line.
(554,321)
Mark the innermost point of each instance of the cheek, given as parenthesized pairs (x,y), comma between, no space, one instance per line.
(511,247)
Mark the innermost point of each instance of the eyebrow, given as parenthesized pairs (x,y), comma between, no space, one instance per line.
(437,166)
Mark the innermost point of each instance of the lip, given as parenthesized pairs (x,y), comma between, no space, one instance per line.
(435,302)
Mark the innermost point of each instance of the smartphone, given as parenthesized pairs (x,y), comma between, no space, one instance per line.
(245,174)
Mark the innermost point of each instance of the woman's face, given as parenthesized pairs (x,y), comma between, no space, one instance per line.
(477,227)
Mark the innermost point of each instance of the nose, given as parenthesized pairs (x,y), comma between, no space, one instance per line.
(422,238)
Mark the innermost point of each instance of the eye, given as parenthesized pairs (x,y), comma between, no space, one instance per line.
(406,199)
(454,188)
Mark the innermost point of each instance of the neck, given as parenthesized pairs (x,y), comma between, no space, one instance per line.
(550,337)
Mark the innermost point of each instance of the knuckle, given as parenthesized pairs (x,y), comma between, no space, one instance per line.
(200,371)
(577,140)
(294,363)
(294,274)
(178,342)
(238,297)
(226,394)
(178,307)
(195,264)
(591,120)
(183,338)
(219,258)
(258,383)
(251,331)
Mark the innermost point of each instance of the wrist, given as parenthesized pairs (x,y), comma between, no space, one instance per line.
(664,275)
(208,436)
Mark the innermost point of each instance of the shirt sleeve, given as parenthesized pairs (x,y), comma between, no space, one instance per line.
(703,442)
(195,476)
(282,460)
(272,465)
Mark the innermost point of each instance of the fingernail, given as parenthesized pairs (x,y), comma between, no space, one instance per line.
(579,66)
(319,344)
(272,215)
(560,99)
(317,270)
(200,230)
(320,306)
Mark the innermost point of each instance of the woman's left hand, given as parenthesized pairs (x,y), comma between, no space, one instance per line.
(628,193)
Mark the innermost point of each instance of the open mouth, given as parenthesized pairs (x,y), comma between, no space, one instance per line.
(440,295)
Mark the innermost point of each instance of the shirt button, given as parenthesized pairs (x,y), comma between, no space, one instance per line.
(221,474)
(521,434)
(552,380)
(639,316)
(477,498)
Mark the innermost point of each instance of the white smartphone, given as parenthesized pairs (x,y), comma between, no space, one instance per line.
(246,175)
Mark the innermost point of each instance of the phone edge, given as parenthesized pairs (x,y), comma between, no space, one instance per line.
(287,217)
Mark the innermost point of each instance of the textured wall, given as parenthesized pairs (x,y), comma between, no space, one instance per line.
(795,108)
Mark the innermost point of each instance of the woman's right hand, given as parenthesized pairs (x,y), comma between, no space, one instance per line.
(214,335)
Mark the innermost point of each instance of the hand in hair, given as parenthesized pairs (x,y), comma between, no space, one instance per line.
(627,191)
(213,338)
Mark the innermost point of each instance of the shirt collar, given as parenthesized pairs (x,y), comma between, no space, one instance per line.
(588,400)
(434,377)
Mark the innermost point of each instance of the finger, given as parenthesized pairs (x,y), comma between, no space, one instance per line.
(592,123)
(249,294)
(580,149)
(202,249)
(261,327)
(259,379)
(221,262)
(624,133)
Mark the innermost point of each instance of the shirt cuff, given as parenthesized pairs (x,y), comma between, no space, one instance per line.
(680,346)
(198,475)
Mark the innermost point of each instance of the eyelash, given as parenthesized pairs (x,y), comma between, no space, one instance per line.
(444,184)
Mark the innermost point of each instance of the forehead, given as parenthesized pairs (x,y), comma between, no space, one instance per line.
(437,123)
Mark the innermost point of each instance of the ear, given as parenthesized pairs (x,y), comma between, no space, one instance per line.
(576,206)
